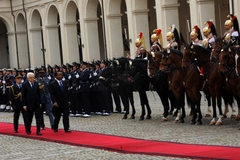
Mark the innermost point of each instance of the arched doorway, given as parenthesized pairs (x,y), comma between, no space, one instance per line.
(36,35)
(73,33)
(54,50)
(22,42)
(4,47)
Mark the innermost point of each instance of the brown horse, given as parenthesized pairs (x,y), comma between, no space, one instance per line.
(215,53)
(227,68)
(215,82)
(160,83)
(170,64)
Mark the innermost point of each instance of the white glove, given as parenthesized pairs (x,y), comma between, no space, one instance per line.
(3,82)
(69,77)
(49,77)
(63,79)
(95,73)
(77,76)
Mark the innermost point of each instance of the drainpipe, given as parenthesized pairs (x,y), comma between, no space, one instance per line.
(27,33)
(104,32)
(15,34)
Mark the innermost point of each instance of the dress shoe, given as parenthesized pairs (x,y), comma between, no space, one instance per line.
(55,130)
(39,133)
(68,131)
(15,131)
(28,132)
(43,128)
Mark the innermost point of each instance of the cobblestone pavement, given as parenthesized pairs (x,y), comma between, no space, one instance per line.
(22,148)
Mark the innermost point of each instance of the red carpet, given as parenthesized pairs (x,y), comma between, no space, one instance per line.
(126,144)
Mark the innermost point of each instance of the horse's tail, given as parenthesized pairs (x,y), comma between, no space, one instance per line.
(188,100)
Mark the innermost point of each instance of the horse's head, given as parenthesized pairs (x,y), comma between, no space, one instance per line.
(118,66)
(216,49)
(166,61)
(154,59)
(188,56)
(226,59)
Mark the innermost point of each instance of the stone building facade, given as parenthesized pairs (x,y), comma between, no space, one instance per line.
(41,32)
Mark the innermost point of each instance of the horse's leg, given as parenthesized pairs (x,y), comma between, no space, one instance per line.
(130,95)
(213,121)
(125,101)
(172,102)
(149,111)
(238,104)
(142,105)
(183,109)
(165,103)
(219,104)
(194,113)
(226,102)
(208,97)
(198,97)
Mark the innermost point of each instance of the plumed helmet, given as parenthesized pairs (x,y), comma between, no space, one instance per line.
(141,40)
(210,28)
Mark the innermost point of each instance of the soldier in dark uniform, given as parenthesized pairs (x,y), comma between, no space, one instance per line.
(95,98)
(103,93)
(75,99)
(16,102)
(43,83)
(155,39)
(84,84)
(8,83)
(49,73)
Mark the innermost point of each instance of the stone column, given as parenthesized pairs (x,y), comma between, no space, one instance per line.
(167,15)
(140,24)
(71,39)
(53,50)
(201,11)
(12,59)
(114,38)
(92,40)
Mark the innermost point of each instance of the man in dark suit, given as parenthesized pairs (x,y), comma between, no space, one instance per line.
(31,102)
(61,103)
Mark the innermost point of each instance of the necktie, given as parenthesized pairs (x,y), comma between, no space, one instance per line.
(61,85)
(32,84)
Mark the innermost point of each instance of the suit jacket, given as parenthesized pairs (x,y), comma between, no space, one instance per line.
(59,96)
(30,95)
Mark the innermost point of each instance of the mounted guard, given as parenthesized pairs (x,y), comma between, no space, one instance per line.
(210,34)
(173,38)
(232,30)
(141,46)
(155,39)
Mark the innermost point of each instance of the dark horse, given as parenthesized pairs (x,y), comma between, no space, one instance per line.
(228,68)
(137,76)
(126,89)
(215,56)
(214,81)
(159,80)
(175,82)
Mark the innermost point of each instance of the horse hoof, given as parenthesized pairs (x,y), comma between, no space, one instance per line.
(233,116)
(141,118)
(193,122)
(148,117)
(199,123)
(207,115)
(224,116)
(132,117)
(124,117)
(170,113)
(164,119)
(176,121)
(212,123)
(218,123)
(181,121)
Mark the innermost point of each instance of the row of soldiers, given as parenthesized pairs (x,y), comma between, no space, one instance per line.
(87,95)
